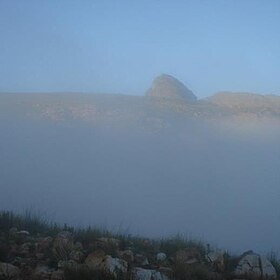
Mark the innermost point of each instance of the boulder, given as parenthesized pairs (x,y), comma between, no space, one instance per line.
(147,274)
(255,265)
(126,255)
(98,261)
(142,274)
(8,271)
(161,257)
(114,266)
(268,269)
(216,259)
(94,260)
(23,233)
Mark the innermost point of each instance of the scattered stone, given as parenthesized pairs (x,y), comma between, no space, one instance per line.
(23,232)
(126,255)
(148,274)
(114,266)
(98,261)
(67,264)
(94,260)
(161,257)
(30,257)
(9,271)
(142,274)
(42,272)
(77,256)
(44,244)
(141,260)
(57,275)
(188,256)
(158,276)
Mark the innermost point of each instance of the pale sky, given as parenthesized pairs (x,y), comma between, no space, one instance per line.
(120,46)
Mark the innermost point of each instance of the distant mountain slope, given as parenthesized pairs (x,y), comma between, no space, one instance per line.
(254,105)
(245,100)
(144,111)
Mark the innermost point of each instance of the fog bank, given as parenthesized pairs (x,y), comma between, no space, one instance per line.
(195,179)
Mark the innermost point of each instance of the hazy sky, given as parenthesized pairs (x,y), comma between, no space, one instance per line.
(119,46)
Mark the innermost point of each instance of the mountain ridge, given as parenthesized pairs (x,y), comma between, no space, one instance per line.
(177,102)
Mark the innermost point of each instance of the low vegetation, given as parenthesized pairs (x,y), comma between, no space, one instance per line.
(22,238)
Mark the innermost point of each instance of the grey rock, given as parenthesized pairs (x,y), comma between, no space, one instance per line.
(142,274)
(77,256)
(94,260)
(126,255)
(161,257)
(67,264)
(216,259)
(168,87)
(114,265)
(188,256)
(268,269)
(255,265)
(23,232)
(8,271)
(148,274)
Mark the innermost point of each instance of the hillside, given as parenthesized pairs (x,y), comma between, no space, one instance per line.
(166,101)
(32,248)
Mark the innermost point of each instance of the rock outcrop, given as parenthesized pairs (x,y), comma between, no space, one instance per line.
(67,255)
(255,265)
(168,87)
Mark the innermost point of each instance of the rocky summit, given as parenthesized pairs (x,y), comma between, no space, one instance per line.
(166,86)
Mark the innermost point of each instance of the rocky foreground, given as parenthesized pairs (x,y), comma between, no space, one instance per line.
(34,249)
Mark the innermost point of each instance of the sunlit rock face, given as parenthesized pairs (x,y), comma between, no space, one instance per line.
(166,86)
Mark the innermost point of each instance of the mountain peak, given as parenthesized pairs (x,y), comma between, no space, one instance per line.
(166,86)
